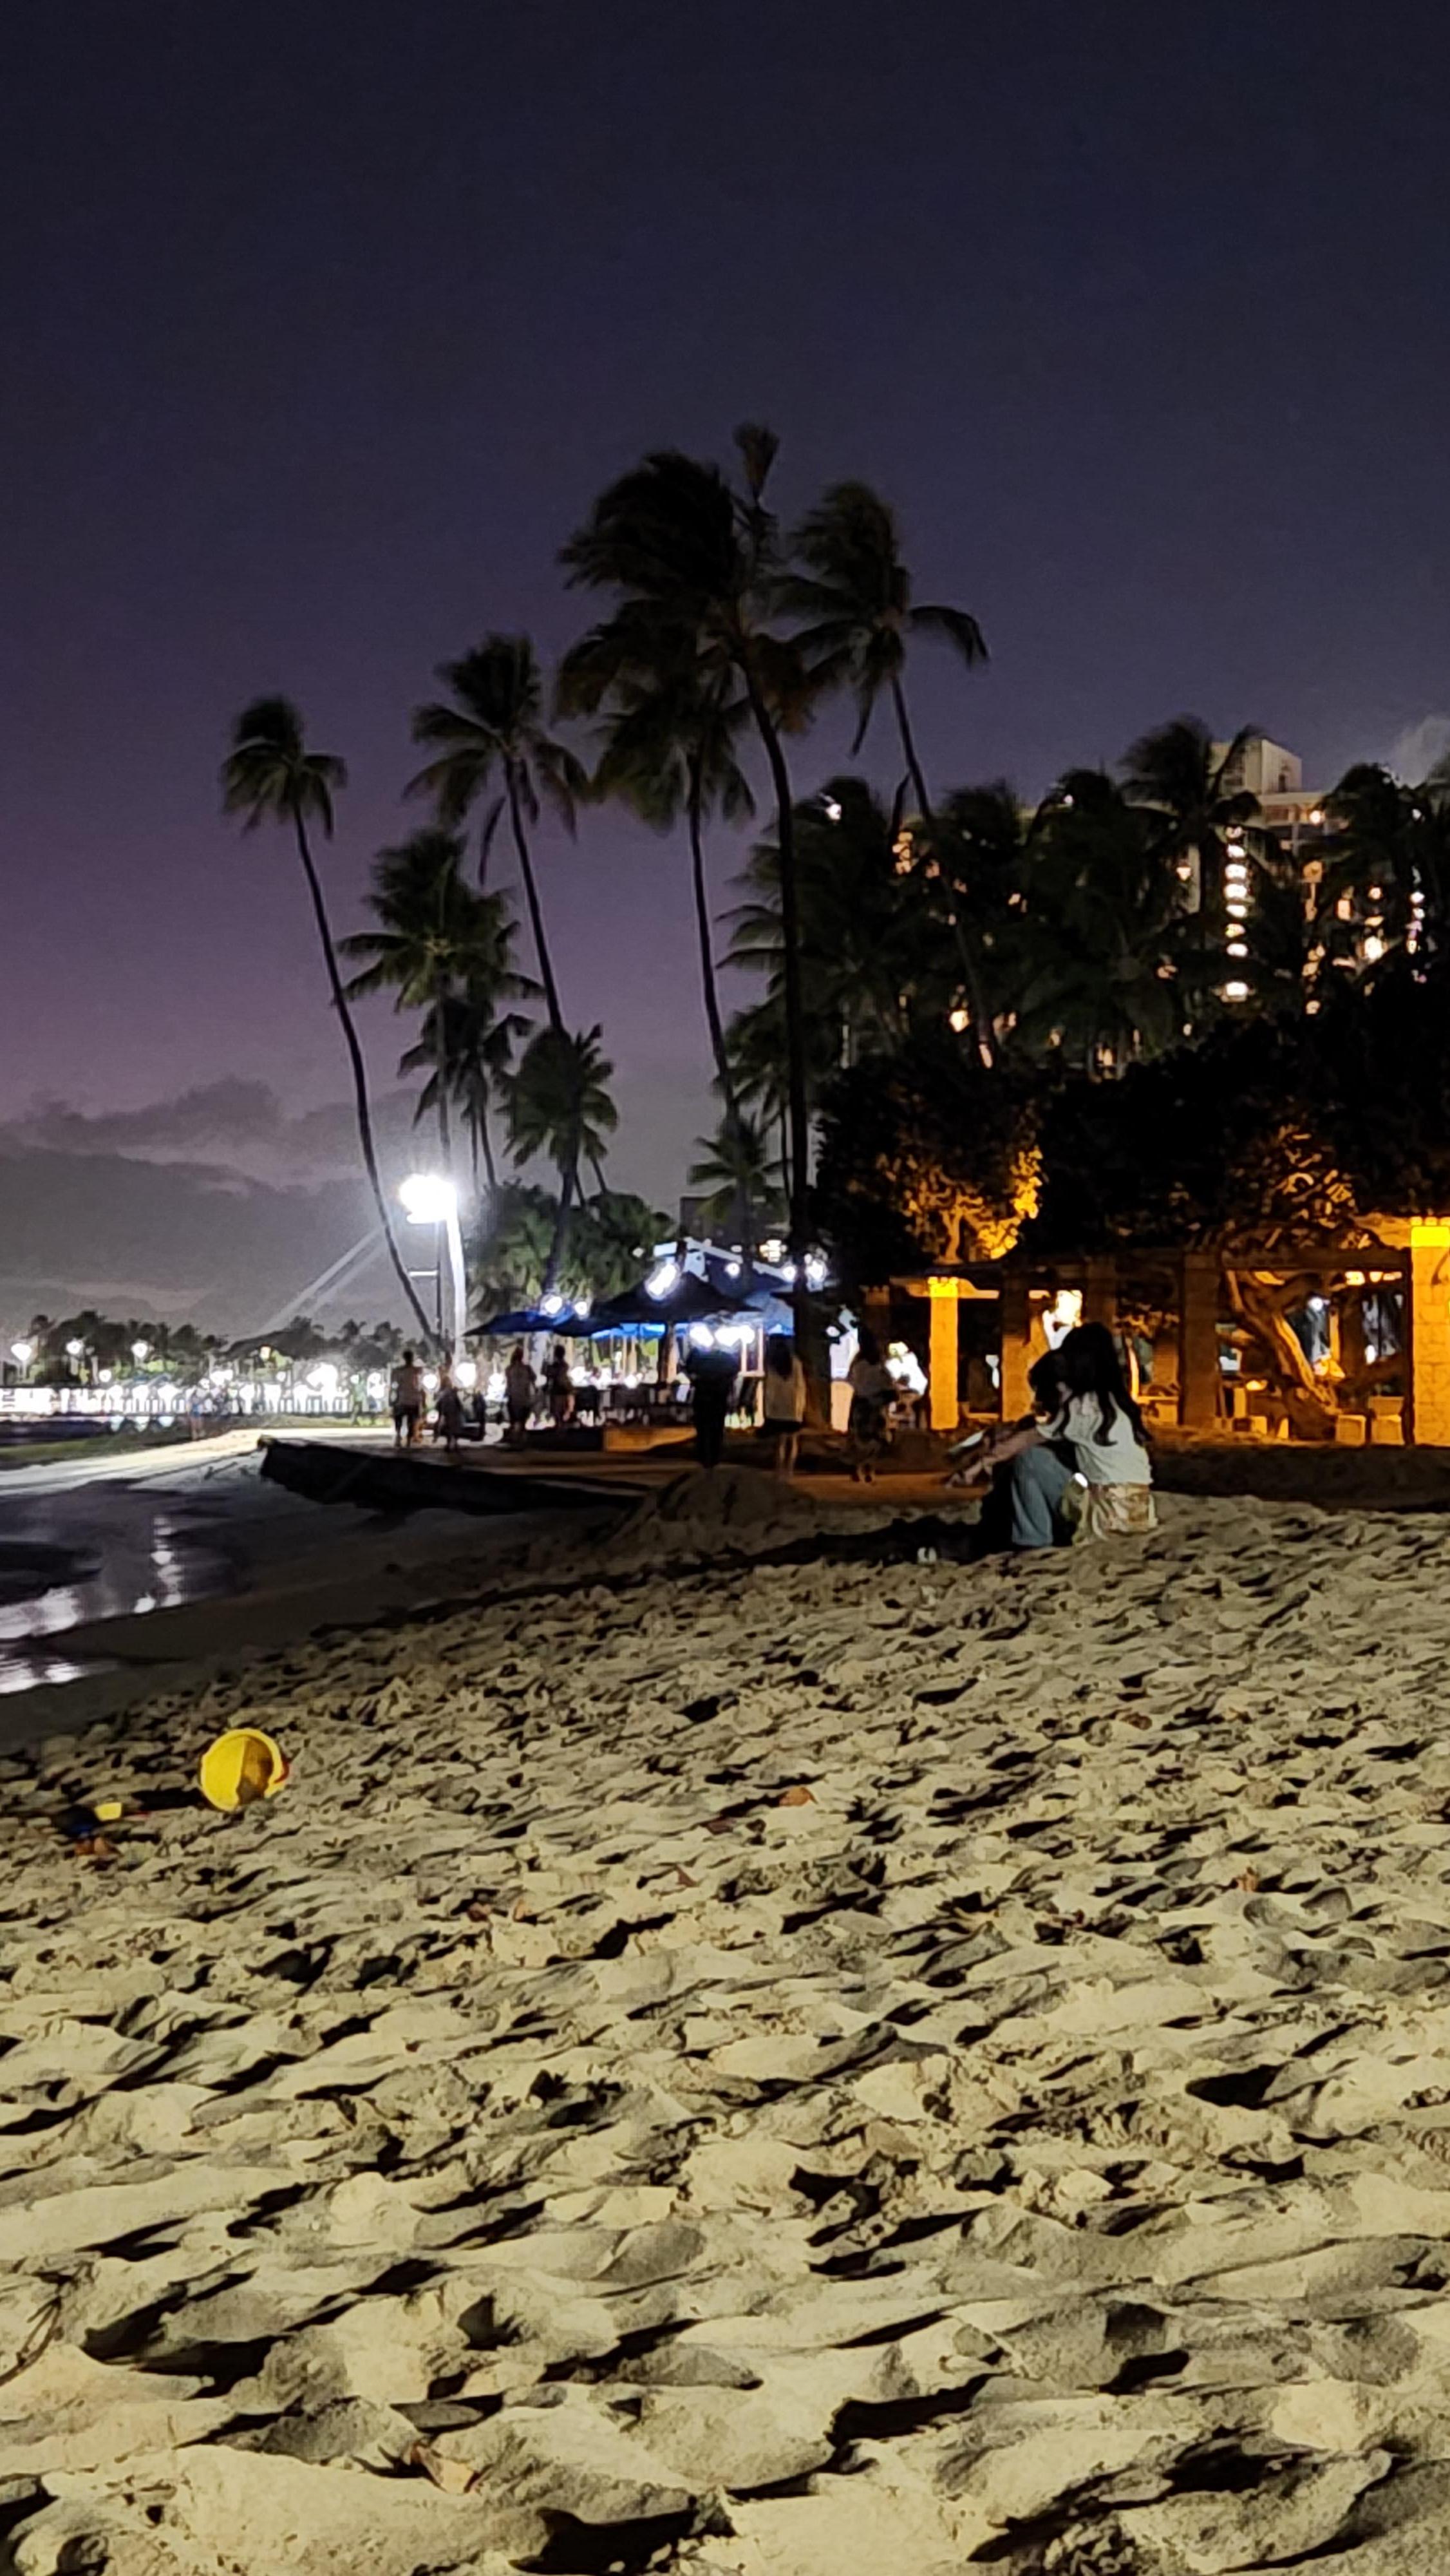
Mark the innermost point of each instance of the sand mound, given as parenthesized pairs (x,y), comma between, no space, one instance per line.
(737,1506)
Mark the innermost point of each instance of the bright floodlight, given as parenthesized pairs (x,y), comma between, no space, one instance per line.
(23,1353)
(428,1199)
(75,1350)
(140,1351)
(662,1278)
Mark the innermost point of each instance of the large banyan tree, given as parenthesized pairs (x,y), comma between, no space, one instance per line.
(1267,1142)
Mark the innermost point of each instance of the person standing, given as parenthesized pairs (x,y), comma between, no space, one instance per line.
(519,1389)
(559,1389)
(449,1409)
(873,1390)
(784,1401)
(712,1373)
(407,1401)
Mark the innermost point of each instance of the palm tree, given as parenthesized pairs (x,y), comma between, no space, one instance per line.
(669,750)
(435,935)
(856,599)
(870,959)
(1101,924)
(491,741)
(559,1105)
(611,1236)
(477,1045)
(509,1253)
(970,866)
(695,568)
(738,1177)
(1386,863)
(269,776)
(1181,776)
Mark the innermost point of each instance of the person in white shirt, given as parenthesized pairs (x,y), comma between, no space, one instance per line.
(784,1401)
(1078,1467)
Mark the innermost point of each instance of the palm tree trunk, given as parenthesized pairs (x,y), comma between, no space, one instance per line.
(981,1026)
(568,1177)
(909,751)
(485,1140)
(718,1048)
(440,1058)
(359,1078)
(798,1205)
(536,915)
(797,1104)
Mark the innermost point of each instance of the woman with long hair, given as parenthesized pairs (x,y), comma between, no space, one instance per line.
(1078,1466)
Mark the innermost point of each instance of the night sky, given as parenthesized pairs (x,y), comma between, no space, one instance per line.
(324,321)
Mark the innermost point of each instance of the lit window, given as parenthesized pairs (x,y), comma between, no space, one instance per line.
(1236,992)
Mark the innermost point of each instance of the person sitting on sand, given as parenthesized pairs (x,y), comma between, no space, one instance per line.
(784,1402)
(519,1388)
(407,1401)
(1077,1466)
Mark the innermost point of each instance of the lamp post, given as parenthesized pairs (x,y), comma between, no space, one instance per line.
(428,1199)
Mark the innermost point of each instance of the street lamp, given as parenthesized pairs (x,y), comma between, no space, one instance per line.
(22,1353)
(428,1199)
(140,1351)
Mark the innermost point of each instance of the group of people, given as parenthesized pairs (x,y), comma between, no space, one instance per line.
(409,1399)
(524,1387)
(1076,1466)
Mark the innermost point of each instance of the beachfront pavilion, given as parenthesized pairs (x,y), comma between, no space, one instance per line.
(1383,1300)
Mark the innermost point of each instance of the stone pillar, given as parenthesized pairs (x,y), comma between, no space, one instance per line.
(945,1408)
(1016,1395)
(1427,1333)
(1200,1380)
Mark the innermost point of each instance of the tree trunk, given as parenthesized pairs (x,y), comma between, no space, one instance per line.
(568,1178)
(1259,1300)
(359,1078)
(797,1228)
(485,1138)
(440,1058)
(908,749)
(718,1048)
(536,916)
(977,1000)
(797,1105)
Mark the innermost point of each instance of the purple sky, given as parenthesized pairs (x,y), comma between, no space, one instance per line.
(323,323)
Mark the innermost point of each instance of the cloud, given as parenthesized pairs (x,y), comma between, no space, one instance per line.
(238,1125)
(223,1205)
(177,1240)
(1416,751)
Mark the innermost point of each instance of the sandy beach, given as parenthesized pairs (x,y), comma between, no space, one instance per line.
(755,2067)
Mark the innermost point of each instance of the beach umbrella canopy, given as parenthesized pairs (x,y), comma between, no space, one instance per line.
(532,1319)
(688,1300)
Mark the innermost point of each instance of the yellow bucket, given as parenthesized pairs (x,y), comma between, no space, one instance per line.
(242,1765)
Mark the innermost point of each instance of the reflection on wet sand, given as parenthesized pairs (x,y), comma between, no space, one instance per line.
(68,1559)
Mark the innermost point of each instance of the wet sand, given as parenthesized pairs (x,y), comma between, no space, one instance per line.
(767,2068)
